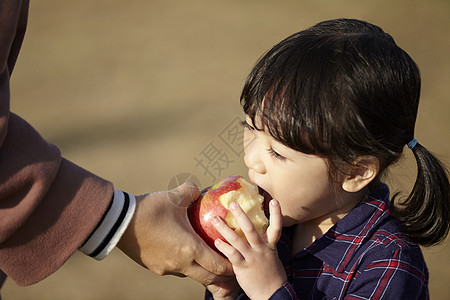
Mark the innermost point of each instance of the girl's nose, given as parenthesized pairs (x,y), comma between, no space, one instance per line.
(252,158)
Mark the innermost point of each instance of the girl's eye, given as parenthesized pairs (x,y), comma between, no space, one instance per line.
(247,126)
(275,154)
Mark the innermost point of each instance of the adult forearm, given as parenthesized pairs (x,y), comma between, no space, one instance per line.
(48,206)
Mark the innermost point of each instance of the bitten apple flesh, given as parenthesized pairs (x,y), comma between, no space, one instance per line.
(215,201)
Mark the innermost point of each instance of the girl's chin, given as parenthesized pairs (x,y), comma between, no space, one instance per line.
(267,198)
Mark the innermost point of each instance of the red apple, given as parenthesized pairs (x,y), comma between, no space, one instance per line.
(214,201)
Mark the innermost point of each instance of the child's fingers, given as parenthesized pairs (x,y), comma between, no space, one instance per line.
(276,222)
(233,255)
(229,235)
(247,227)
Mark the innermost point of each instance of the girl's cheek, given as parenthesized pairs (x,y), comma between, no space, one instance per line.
(249,138)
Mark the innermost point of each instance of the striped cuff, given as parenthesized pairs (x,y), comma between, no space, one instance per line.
(111,227)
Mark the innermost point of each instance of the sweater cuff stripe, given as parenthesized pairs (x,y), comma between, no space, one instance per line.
(112,226)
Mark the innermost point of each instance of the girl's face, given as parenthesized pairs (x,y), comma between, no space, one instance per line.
(300,182)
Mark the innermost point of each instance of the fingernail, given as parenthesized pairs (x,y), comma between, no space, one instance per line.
(233,205)
(215,221)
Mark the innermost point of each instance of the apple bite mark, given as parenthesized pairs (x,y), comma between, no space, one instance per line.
(267,197)
(215,201)
(251,203)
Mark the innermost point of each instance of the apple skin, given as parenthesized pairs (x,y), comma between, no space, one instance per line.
(214,201)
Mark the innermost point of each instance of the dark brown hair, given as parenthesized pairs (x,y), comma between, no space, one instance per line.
(343,89)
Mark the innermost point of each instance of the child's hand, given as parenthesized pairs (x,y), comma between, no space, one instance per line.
(258,269)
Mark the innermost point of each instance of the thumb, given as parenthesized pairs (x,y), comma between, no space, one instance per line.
(183,195)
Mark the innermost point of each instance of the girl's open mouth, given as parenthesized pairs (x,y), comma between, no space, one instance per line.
(267,198)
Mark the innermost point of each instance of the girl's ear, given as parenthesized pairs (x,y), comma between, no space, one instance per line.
(361,173)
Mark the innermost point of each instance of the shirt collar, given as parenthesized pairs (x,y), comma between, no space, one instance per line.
(339,244)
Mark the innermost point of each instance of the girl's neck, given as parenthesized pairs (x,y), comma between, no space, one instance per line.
(306,233)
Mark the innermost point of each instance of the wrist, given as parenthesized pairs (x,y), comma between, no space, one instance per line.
(285,291)
(271,289)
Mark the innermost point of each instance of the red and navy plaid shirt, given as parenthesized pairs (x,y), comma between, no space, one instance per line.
(365,255)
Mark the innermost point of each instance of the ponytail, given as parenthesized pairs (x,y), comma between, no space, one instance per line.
(425,213)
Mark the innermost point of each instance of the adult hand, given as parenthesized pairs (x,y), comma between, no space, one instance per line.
(161,238)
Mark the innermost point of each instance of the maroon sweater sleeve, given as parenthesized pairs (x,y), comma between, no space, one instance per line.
(48,205)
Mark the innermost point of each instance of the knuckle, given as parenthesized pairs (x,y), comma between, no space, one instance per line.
(249,228)
(233,252)
(172,266)
(175,266)
(233,239)
(210,279)
(221,268)
(186,251)
(158,270)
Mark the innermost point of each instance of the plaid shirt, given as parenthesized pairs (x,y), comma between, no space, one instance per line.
(363,256)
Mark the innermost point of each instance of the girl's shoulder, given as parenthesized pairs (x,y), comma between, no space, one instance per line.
(389,263)
(389,234)
(385,243)
(390,247)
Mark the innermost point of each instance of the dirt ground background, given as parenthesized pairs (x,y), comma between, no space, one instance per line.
(136,93)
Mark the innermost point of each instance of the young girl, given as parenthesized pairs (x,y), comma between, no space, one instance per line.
(329,109)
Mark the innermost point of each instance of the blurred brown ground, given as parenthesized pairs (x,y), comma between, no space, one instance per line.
(135,90)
